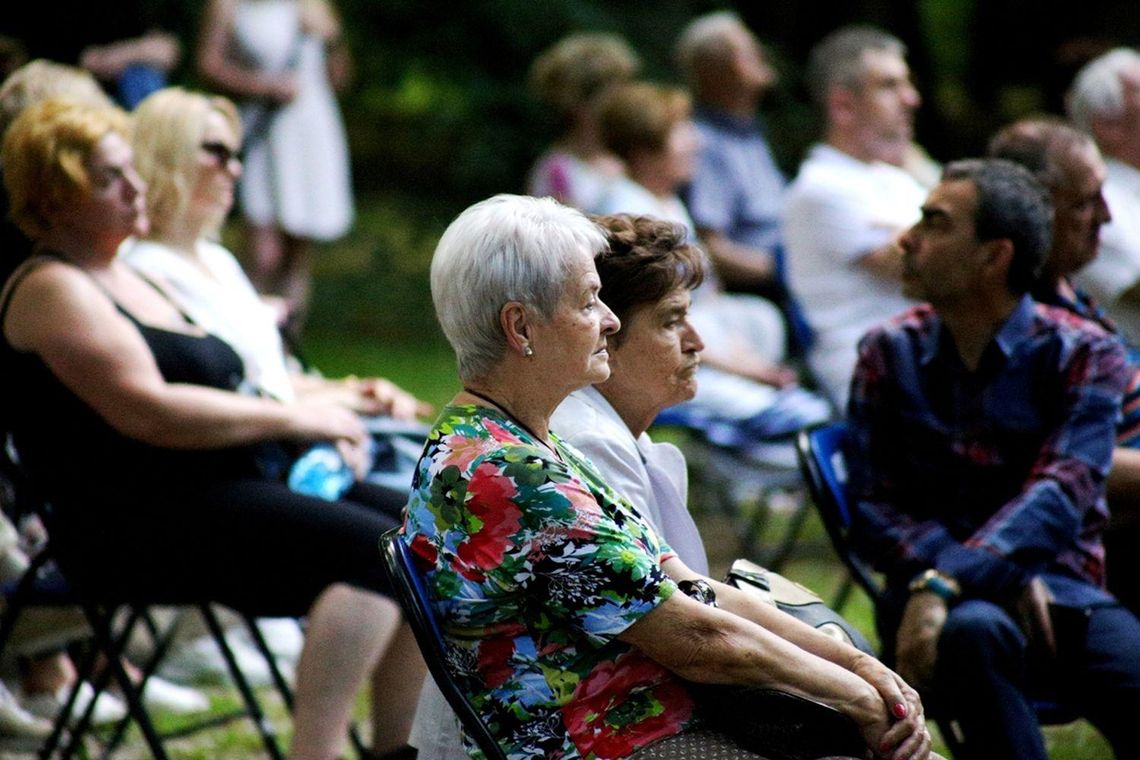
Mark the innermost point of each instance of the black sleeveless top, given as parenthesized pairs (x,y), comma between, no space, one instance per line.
(72,453)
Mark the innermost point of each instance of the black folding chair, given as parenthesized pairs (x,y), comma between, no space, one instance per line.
(823,462)
(113,618)
(412,595)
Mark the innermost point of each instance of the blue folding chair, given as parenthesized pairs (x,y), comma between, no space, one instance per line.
(412,595)
(823,462)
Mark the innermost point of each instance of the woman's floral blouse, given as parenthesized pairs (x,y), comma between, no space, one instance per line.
(535,567)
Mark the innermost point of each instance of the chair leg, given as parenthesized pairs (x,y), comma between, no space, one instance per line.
(791,536)
(844,593)
(279,682)
(162,642)
(261,723)
(101,623)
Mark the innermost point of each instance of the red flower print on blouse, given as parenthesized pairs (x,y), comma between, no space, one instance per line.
(489,500)
(624,705)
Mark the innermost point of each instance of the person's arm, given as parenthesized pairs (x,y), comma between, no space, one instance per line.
(1068,477)
(101,357)
(832,219)
(217,66)
(715,646)
(155,48)
(320,19)
(739,265)
(369,395)
(899,698)
(885,261)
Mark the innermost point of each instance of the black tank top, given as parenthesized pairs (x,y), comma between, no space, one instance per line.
(71,452)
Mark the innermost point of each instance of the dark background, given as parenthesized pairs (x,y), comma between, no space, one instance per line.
(439,107)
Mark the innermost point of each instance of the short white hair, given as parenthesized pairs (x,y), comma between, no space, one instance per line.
(702,38)
(506,248)
(1097,90)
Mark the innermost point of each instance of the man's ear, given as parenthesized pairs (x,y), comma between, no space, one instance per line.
(997,259)
(840,105)
(1108,133)
(514,319)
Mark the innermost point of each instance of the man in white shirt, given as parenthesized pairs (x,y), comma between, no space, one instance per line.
(851,201)
(1105,102)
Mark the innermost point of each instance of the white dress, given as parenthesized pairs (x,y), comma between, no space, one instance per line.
(296,172)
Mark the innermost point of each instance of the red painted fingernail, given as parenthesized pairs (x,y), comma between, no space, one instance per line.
(884,748)
(899,710)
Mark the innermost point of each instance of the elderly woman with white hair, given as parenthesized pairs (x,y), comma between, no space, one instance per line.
(556,597)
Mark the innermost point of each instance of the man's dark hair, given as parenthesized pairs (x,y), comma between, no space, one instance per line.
(645,260)
(1012,205)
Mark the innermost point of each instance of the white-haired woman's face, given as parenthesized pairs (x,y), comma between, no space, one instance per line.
(216,170)
(571,346)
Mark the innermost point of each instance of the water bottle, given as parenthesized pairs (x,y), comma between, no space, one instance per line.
(321,471)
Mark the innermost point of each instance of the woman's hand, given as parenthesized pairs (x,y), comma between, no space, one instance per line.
(376,395)
(322,421)
(907,736)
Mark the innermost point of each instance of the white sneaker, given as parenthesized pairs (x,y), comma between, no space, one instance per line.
(283,636)
(19,729)
(160,694)
(200,660)
(108,707)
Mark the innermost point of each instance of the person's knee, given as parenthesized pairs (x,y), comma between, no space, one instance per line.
(977,635)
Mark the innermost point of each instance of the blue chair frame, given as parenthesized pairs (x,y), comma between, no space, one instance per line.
(412,595)
(823,462)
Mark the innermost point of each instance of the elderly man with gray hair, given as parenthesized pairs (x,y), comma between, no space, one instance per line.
(736,193)
(1104,101)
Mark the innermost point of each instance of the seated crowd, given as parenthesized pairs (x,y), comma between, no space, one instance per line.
(660,259)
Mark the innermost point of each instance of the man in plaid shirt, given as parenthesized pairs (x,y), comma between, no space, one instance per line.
(983,426)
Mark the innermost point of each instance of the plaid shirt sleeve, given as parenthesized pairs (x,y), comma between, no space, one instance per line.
(1067,479)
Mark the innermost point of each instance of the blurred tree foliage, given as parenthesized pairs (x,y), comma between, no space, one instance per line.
(440,109)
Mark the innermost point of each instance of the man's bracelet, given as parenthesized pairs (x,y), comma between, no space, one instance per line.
(943,585)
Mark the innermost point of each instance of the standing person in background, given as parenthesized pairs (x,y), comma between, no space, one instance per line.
(130,46)
(568,78)
(284,61)
(851,200)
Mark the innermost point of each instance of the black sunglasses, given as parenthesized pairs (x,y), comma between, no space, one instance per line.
(222,152)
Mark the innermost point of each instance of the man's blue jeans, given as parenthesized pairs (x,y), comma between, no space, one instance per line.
(986,666)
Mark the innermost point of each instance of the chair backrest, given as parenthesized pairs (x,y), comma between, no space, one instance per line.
(412,595)
(820,451)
